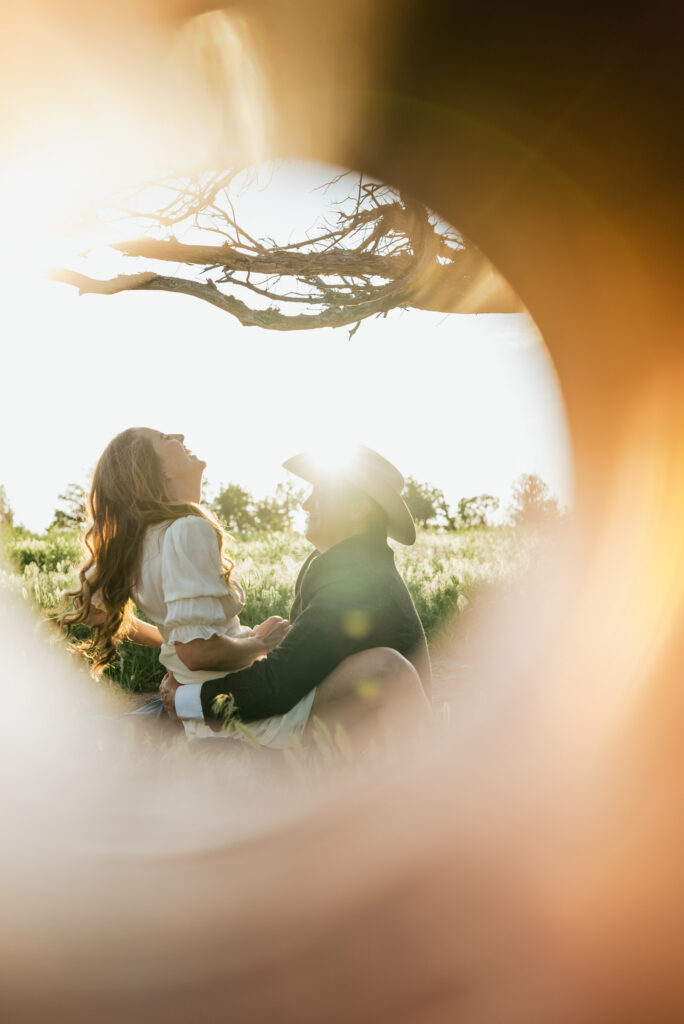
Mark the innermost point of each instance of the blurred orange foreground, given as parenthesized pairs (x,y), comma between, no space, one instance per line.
(525,867)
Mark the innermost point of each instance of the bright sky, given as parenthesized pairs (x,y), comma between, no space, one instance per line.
(466,403)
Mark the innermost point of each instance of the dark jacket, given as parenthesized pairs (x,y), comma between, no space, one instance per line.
(349,599)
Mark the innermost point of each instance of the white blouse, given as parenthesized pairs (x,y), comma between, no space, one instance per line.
(181,589)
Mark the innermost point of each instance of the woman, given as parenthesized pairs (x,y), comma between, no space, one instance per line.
(152,545)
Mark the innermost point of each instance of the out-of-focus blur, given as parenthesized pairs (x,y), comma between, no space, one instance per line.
(524,864)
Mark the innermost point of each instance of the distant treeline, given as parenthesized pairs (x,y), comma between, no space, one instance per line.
(532,502)
(240,512)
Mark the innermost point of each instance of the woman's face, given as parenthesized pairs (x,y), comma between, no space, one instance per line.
(178,463)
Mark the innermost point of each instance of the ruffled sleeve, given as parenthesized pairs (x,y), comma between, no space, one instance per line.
(198,601)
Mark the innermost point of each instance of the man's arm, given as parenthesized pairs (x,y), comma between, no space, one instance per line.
(316,643)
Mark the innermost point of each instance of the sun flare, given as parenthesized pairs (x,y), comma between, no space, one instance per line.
(333,454)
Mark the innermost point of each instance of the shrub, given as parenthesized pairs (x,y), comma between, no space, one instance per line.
(57,551)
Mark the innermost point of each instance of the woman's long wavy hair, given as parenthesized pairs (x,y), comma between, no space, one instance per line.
(129,493)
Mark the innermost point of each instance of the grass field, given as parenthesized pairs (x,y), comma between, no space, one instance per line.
(443,572)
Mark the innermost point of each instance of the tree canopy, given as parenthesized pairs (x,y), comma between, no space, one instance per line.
(374,250)
(428,504)
(72,510)
(533,501)
(240,512)
(477,511)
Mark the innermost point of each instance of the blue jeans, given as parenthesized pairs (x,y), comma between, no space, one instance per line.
(153,716)
(155,709)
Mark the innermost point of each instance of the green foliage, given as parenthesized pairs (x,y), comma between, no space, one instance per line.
(233,506)
(269,515)
(423,500)
(442,570)
(44,568)
(429,505)
(73,512)
(136,668)
(241,513)
(277,513)
(267,565)
(224,707)
(56,551)
(477,511)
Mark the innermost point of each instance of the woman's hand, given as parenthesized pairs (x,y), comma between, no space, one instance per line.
(272,631)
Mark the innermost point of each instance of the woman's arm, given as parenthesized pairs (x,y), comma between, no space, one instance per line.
(227,653)
(194,587)
(140,632)
(144,633)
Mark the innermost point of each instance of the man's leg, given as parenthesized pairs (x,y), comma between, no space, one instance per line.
(370,692)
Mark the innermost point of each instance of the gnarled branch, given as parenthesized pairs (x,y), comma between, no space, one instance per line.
(374,251)
(271,319)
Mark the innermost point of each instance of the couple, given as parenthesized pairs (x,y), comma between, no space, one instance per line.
(151,545)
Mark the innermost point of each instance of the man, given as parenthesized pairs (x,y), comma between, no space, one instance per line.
(349,598)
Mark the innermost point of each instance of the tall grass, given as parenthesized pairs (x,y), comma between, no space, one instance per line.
(442,571)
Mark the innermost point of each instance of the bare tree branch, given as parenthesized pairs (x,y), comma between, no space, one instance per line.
(271,319)
(374,251)
(284,262)
(89,285)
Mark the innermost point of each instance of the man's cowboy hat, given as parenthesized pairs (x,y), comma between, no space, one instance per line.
(373,475)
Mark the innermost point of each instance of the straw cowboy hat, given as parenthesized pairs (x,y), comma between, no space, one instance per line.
(373,475)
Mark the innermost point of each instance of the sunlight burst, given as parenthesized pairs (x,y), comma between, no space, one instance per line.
(332,455)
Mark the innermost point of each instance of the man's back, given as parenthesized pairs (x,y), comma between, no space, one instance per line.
(375,607)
